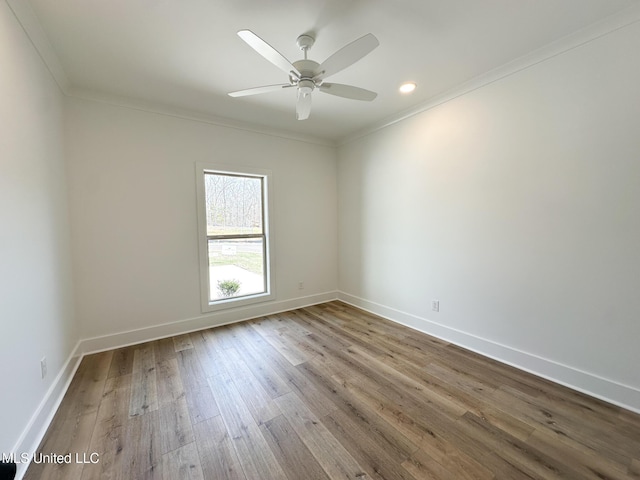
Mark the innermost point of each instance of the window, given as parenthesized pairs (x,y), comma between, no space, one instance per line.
(235,266)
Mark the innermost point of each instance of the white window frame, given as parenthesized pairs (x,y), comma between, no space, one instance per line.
(203,245)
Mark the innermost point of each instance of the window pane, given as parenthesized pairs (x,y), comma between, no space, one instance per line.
(233,204)
(236,268)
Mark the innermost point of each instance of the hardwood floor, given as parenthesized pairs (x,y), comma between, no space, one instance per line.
(327,392)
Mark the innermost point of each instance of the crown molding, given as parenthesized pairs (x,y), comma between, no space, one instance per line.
(608,25)
(186,114)
(31,25)
(29,22)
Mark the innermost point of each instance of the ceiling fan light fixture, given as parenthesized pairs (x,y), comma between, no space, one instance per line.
(306,86)
(407,87)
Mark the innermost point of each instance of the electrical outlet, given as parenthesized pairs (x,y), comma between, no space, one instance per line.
(301,285)
(435,305)
(43,367)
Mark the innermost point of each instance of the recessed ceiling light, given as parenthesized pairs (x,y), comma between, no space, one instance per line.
(407,87)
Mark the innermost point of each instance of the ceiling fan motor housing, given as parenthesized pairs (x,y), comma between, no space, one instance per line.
(308,70)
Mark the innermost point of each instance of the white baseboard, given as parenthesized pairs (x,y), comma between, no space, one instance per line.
(216,319)
(35,430)
(610,391)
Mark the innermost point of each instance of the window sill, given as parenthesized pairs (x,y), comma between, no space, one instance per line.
(227,304)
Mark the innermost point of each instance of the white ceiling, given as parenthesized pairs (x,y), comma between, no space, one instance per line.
(185,54)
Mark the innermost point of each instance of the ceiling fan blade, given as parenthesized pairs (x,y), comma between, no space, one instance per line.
(347,55)
(258,90)
(348,91)
(268,52)
(303,107)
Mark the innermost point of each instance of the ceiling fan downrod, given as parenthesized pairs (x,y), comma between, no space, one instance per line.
(305,42)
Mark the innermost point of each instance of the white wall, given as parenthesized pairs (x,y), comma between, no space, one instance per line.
(518,207)
(133,210)
(36,304)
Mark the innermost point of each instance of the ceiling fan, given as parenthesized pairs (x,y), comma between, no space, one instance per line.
(307,75)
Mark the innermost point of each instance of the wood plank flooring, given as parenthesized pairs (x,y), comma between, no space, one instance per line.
(328,392)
